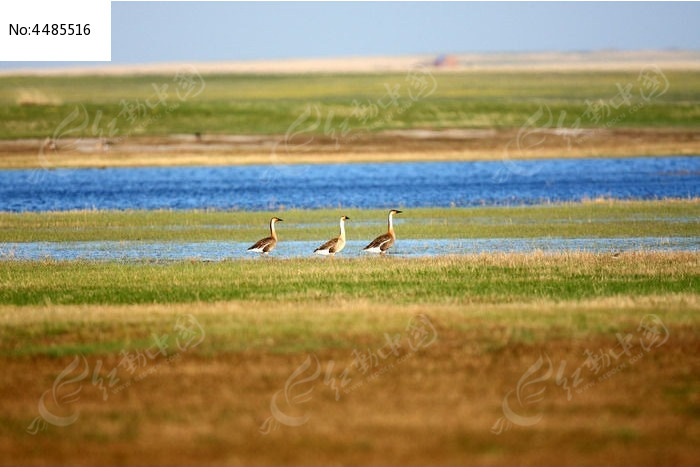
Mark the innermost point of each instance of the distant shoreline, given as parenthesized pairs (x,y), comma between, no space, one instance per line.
(604,60)
(389,146)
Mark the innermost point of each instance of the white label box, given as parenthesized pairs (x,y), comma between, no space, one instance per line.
(55,30)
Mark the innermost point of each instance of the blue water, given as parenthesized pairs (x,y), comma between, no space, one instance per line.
(221,250)
(350,185)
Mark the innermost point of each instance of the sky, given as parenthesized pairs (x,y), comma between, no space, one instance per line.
(144,32)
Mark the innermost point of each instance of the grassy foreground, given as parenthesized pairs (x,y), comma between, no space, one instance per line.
(483,278)
(281,286)
(589,219)
(494,316)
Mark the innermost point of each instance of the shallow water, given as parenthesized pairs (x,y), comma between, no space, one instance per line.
(427,184)
(218,250)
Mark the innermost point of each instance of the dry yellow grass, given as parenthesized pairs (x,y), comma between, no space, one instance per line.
(32,96)
(382,147)
(436,406)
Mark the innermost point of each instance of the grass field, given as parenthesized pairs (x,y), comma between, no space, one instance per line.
(397,280)
(94,367)
(493,315)
(598,218)
(108,121)
(83,334)
(34,107)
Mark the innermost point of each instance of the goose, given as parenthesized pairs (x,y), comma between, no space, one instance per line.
(267,244)
(336,245)
(383,242)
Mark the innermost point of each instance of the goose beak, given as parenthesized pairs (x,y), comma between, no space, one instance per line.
(280,220)
(398,212)
(347,218)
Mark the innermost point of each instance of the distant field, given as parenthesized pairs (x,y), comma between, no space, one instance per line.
(33,107)
(663,218)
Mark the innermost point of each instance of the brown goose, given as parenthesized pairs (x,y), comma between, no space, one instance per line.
(267,244)
(336,245)
(383,242)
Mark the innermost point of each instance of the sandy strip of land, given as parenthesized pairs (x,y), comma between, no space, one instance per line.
(389,146)
(602,60)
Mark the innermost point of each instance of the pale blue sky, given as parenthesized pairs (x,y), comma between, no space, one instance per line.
(205,31)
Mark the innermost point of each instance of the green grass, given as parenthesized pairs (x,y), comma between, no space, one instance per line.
(603,219)
(270,104)
(486,279)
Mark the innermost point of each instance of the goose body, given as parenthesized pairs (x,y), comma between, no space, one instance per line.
(266,245)
(382,243)
(335,245)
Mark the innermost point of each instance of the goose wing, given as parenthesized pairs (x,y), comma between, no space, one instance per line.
(329,245)
(261,244)
(382,242)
